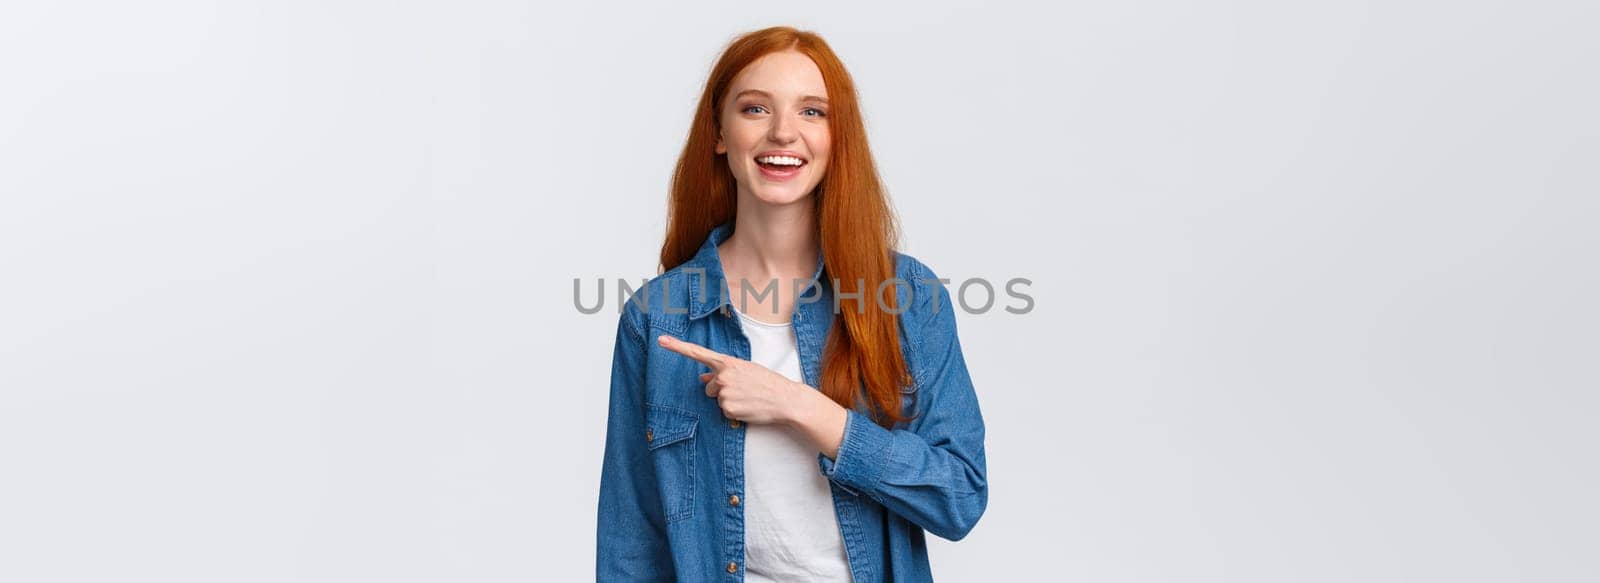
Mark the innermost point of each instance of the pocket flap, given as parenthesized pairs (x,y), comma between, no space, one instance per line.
(667,425)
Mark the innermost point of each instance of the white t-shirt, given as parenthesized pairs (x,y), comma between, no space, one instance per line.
(790,530)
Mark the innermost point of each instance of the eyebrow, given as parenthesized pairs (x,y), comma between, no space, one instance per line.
(769,95)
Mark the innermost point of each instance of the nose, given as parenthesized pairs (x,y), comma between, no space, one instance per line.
(782,130)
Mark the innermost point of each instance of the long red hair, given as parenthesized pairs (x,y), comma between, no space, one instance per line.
(855,226)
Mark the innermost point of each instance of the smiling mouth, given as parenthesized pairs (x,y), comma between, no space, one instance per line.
(780,164)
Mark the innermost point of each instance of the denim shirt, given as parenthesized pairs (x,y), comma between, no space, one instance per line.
(673,463)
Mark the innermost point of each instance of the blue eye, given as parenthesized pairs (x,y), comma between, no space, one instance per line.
(747,108)
(820,113)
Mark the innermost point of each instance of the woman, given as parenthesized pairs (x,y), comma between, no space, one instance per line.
(788,399)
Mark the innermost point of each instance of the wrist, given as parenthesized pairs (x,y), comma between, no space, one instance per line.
(806,402)
(820,420)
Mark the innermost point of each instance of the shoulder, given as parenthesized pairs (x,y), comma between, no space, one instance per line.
(913,270)
(919,278)
(661,303)
(926,300)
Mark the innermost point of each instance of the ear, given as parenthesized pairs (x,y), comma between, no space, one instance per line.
(721,149)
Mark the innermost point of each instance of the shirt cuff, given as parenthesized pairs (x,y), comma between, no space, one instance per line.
(866,450)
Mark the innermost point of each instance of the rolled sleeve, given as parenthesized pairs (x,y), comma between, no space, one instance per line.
(866,451)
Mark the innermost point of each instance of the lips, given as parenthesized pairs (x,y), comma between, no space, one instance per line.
(780,164)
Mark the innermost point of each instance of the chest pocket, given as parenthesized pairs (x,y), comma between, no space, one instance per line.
(669,434)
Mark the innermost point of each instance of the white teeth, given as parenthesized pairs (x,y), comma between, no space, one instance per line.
(781,160)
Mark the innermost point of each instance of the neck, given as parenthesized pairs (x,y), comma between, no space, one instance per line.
(772,241)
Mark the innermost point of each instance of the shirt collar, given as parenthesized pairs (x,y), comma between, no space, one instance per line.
(708,289)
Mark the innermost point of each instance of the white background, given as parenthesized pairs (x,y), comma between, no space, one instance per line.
(286,287)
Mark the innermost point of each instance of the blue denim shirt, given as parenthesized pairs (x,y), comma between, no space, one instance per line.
(673,462)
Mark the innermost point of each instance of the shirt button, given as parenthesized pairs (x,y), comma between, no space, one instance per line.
(734,424)
(649,435)
(733,567)
(733,500)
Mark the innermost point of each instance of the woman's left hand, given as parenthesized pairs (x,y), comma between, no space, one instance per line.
(746,391)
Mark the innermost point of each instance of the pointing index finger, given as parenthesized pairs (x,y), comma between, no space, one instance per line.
(700,353)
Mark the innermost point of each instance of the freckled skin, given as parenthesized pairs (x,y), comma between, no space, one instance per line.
(779,121)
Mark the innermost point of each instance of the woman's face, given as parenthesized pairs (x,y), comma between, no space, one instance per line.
(775,116)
